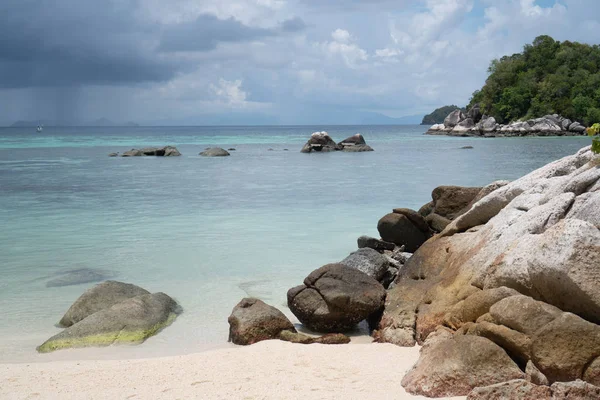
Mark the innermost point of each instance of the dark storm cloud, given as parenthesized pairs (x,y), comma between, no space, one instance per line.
(71,42)
(74,42)
(207,31)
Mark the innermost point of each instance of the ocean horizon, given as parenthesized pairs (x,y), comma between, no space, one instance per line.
(209,231)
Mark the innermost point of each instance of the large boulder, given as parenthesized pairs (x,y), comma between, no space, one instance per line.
(375,244)
(319,142)
(100,297)
(475,113)
(131,321)
(454,118)
(399,229)
(369,261)
(215,152)
(335,297)
(577,390)
(455,366)
(355,143)
(524,236)
(252,320)
(450,200)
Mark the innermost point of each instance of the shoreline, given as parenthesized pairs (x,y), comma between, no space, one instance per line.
(285,371)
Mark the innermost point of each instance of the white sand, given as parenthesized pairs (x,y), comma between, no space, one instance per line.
(266,370)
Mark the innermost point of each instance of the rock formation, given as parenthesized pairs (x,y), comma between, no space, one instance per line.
(323,143)
(518,268)
(113,313)
(215,152)
(253,320)
(474,124)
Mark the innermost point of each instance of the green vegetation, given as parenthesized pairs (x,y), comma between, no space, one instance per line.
(547,77)
(438,116)
(594,132)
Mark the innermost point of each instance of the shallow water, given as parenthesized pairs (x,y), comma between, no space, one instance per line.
(209,231)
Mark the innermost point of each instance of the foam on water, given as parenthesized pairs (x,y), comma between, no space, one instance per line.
(208,231)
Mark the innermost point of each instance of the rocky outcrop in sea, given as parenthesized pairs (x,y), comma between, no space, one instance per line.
(321,142)
(473,123)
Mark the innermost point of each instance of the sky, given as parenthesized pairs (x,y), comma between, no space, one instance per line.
(204,62)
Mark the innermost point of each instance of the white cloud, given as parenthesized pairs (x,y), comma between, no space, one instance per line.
(341,35)
(342,45)
(230,92)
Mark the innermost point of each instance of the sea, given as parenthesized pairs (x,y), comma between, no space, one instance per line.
(209,231)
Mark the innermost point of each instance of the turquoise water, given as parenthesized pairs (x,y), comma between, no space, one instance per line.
(209,231)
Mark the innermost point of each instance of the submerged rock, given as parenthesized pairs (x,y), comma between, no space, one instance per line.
(215,152)
(128,322)
(354,143)
(335,297)
(252,321)
(79,276)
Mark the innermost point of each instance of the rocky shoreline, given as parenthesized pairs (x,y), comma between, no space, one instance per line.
(473,123)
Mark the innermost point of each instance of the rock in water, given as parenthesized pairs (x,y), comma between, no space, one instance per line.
(79,276)
(399,229)
(130,321)
(319,142)
(100,297)
(215,152)
(167,151)
(335,297)
(354,143)
(455,366)
(454,118)
(368,261)
(252,321)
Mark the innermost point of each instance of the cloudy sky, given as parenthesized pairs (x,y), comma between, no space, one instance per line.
(261,61)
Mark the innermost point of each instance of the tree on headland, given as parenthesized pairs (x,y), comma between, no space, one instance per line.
(547,77)
(438,115)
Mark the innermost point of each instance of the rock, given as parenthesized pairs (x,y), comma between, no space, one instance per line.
(79,276)
(166,151)
(586,207)
(354,143)
(577,390)
(399,229)
(215,152)
(100,297)
(489,124)
(436,222)
(231,149)
(426,209)
(523,314)
(252,321)
(517,345)
(270,150)
(475,113)
(592,372)
(455,366)
(576,127)
(563,348)
(130,321)
(476,305)
(113,154)
(368,261)
(319,142)
(565,123)
(335,297)
(373,243)
(464,125)
(414,217)
(533,375)
(517,389)
(331,338)
(454,118)
(466,147)
(450,200)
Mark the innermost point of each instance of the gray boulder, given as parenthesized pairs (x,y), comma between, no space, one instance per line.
(131,321)
(369,261)
(576,127)
(215,152)
(475,113)
(319,142)
(335,297)
(166,151)
(252,321)
(100,297)
(355,143)
(489,124)
(399,229)
(375,244)
(454,118)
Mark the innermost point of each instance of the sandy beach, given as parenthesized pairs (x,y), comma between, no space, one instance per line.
(266,370)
